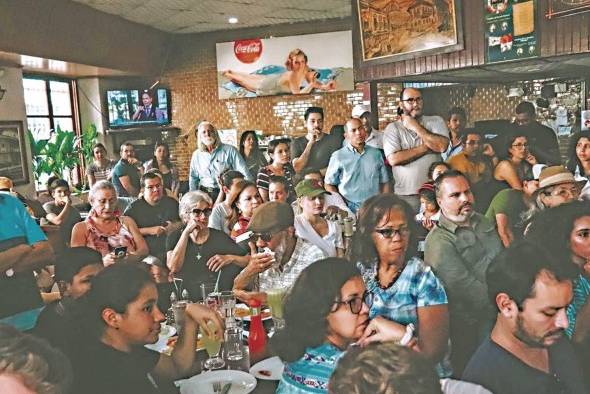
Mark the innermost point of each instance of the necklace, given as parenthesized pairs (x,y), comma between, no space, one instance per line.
(390,283)
(198,256)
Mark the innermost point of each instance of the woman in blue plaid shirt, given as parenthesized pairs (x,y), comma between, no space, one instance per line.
(405,290)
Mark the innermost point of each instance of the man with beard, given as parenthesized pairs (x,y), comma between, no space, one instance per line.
(460,249)
(277,253)
(478,165)
(356,171)
(211,159)
(315,148)
(526,352)
(126,173)
(412,144)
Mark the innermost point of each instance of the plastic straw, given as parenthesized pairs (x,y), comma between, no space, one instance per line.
(216,290)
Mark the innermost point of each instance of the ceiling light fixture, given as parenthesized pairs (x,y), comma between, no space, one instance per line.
(233,20)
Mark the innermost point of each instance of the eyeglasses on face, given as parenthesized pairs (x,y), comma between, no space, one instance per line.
(198,212)
(356,304)
(265,237)
(413,100)
(565,192)
(390,232)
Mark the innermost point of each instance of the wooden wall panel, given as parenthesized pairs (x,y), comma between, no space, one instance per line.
(558,36)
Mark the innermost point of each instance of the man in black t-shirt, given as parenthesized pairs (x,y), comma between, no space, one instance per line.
(156,215)
(314,149)
(541,139)
(527,352)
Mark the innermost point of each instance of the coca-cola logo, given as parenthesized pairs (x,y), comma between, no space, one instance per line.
(248,51)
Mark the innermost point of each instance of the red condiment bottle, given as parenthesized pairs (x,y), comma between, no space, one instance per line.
(257,337)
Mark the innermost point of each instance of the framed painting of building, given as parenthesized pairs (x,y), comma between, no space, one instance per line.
(559,8)
(394,30)
(13,152)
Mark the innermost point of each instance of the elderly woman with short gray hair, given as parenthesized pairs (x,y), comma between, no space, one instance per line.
(199,254)
(115,237)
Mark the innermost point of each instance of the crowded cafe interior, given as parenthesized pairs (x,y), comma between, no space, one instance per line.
(338,196)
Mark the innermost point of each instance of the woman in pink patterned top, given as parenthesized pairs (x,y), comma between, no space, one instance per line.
(115,237)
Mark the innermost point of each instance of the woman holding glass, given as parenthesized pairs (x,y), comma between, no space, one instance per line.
(115,237)
(280,154)
(324,312)
(405,291)
(199,254)
(119,315)
(245,200)
(161,162)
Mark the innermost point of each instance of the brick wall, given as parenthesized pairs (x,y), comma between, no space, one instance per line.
(194,98)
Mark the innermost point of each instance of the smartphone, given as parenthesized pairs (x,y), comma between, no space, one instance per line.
(120,251)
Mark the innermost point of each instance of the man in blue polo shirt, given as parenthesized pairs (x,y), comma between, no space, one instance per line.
(356,171)
(23,248)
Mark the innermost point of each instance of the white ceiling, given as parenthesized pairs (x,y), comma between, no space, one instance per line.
(194,16)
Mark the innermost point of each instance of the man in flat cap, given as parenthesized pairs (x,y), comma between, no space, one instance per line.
(277,253)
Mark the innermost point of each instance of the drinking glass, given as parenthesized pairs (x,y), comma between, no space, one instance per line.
(227,304)
(275,297)
(210,296)
(235,351)
(178,309)
(212,346)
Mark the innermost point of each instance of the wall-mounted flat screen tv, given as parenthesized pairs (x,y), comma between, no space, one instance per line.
(138,108)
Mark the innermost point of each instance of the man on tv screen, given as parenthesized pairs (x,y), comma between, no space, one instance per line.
(147,111)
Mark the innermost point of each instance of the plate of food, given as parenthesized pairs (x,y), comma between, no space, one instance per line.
(242,311)
(239,382)
(269,369)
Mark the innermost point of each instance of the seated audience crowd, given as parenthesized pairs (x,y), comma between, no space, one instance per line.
(425,258)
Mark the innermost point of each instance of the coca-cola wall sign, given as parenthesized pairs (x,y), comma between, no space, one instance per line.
(306,64)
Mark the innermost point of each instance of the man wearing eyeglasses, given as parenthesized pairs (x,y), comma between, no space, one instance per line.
(278,255)
(527,351)
(412,144)
(459,249)
(477,161)
(155,213)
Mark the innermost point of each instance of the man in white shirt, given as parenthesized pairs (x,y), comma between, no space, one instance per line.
(412,143)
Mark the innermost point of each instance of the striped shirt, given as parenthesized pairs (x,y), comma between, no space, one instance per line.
(263,179)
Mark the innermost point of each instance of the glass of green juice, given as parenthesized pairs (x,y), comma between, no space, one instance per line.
(213,347)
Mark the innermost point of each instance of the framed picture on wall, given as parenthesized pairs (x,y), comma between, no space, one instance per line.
(558,8)
(394,30)
(13,156)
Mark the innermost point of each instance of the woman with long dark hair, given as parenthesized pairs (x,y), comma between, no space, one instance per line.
(279,151)
(161,162)
(579,160)
(242,206)
(250,151)
(101,166)
(518,161)
(325,312)
(405,290)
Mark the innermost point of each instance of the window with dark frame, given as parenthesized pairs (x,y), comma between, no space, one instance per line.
(49,103)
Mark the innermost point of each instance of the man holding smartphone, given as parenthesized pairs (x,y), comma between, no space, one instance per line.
(412,143)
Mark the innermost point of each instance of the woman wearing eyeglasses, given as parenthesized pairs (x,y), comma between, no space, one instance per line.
(405,290)
(518,161)
(325,312)
(198,254)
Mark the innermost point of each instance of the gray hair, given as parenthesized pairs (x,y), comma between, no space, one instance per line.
(100,185)
(189,200)
(42,368)
(202,146)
